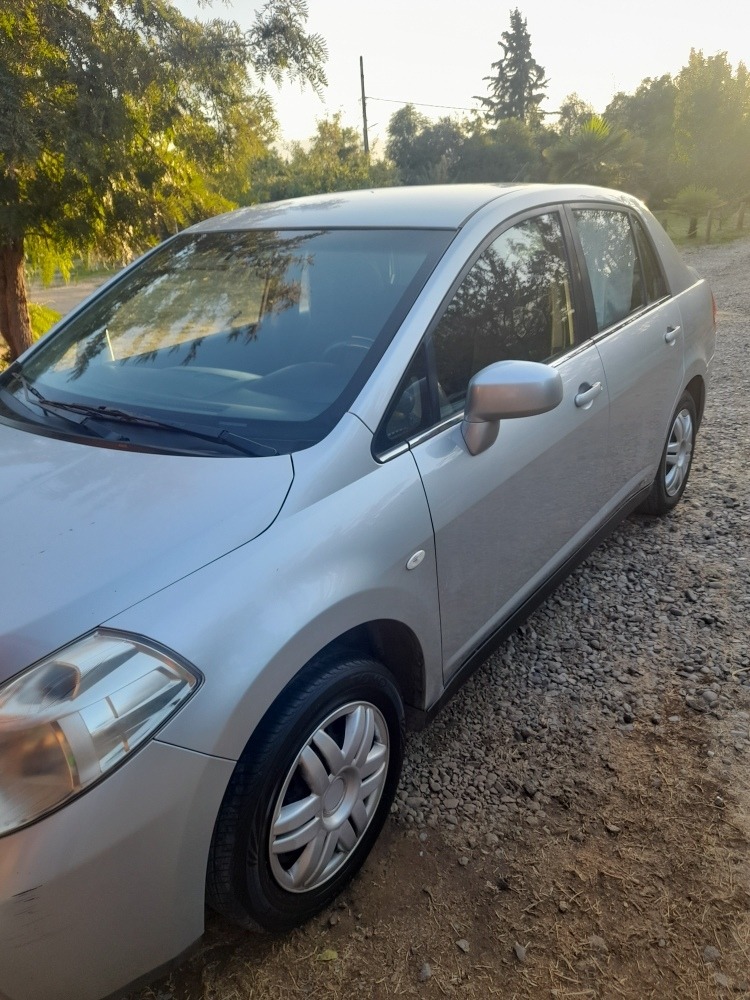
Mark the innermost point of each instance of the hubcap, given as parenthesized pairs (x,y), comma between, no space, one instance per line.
(679,450)
(329,797)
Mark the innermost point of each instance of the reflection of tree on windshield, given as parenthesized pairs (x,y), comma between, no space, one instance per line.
(509,306)
(214,284)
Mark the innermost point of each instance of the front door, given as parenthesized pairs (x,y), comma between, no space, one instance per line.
(505,518)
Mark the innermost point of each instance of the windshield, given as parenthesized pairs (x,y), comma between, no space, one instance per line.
(264,334)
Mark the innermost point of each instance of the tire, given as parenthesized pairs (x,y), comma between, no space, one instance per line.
(676,460)
(334,741)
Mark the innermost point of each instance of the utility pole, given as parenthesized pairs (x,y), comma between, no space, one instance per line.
(364,105)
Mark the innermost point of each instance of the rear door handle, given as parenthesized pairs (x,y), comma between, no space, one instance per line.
(587,394)
(670,336)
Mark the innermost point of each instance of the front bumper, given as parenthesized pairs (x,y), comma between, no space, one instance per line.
(111,886)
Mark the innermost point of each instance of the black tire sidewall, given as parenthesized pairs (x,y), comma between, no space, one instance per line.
(271,754)
(666,500)
(659,502)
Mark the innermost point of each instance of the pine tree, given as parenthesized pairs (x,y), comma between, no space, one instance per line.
(518,84)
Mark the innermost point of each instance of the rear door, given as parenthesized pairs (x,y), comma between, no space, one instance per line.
(637,330)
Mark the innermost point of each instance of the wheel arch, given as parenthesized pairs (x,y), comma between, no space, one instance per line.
(397,647)
(697,389)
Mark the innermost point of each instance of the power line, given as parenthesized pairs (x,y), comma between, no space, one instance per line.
(420,104)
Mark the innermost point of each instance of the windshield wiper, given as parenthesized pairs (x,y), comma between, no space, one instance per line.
(47,405)
(237,441)
(103,412)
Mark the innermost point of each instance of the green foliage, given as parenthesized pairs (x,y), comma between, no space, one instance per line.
(574,113)
(123,120)
(279,45)
(694,201)
(333,160)
(42,319)
(510,152)
(595,153)
(517,86)
(649,115)
(712,124)
(423,151)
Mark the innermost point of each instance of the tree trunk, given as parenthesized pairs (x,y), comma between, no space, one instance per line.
(693,227)
(15,324)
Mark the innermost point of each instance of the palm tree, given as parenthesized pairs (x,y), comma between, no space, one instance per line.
(595,153)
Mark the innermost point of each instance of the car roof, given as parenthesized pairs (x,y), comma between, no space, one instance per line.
(436,206)
(439,206)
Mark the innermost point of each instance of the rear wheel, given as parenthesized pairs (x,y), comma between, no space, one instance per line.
(676,460)
(309,796)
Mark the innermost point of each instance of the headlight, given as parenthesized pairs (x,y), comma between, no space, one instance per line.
(67,721)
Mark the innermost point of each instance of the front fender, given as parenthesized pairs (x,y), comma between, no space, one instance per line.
(252,619)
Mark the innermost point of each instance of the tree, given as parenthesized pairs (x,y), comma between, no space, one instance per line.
(516,89)
(596,153)
(510,152)
(694,202)
(332,161)
(423,151)
(649,114)
(574,112)
(116,120)
(712,124)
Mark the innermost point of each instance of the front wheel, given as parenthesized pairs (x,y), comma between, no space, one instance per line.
(676,460)
(309,795)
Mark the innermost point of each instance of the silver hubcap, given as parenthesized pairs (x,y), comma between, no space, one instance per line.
(329,797)
(679,450)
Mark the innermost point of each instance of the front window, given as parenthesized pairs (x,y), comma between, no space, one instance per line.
(252,335)
(515,303)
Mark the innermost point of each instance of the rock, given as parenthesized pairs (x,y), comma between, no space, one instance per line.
(711,954)
(463,944)
(598,943)
(520,952)
(425,972)
(695,703)
(721,980)
(709,696)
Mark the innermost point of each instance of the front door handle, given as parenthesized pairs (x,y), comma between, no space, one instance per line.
(587,394)
(670,336)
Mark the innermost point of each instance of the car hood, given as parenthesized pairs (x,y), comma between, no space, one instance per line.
(87,531)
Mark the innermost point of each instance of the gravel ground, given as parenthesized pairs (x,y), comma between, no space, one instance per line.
(576,822)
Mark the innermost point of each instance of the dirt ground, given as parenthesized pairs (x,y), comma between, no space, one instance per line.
(626,902)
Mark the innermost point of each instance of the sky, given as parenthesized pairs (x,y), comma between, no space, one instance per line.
(431,52)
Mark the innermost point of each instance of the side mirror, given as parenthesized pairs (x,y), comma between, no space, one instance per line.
(505,390)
